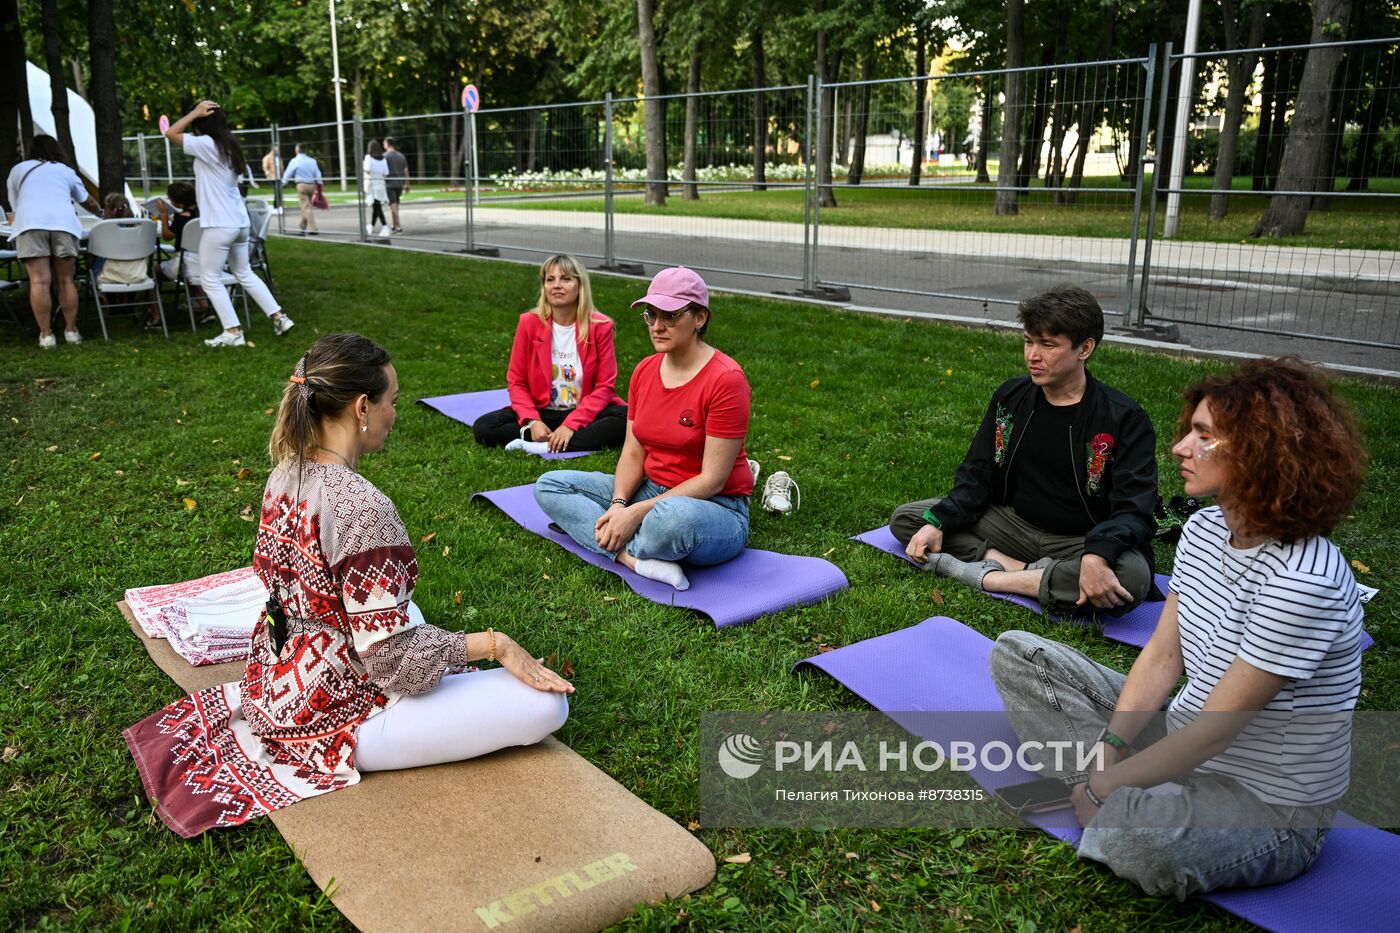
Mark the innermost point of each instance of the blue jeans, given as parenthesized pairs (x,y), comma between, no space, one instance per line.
(699,531)
(1215,834)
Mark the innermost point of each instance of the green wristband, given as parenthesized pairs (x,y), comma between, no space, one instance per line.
(932,519)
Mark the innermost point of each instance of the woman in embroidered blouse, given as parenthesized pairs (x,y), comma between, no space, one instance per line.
(562,371)
(1263,619)
(343,674)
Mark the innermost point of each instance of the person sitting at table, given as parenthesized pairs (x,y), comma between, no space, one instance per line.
(341,677)
(562,371)
(683,481)
(42,190)
(1264,620)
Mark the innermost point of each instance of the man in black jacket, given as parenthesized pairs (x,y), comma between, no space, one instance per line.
(1054,499)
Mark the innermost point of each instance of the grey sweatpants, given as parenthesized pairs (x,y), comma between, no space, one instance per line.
(1214,834)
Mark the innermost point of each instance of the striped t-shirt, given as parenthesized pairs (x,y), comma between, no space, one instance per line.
(1289,609)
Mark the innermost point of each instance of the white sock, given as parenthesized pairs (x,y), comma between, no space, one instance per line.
(530,447)
(662,571)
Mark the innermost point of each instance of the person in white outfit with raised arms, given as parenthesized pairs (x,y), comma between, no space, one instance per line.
(223,217)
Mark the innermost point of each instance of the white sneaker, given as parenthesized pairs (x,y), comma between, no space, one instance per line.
(780,494)
(755,469)
(281,324)
(226,339)
(369,228)
(48,342)
(72,336)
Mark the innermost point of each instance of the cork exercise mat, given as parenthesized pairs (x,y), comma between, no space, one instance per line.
(524,839)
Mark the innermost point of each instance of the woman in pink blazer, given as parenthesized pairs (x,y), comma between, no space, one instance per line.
(562,371)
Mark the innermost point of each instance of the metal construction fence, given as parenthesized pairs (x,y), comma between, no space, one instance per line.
(1142,179)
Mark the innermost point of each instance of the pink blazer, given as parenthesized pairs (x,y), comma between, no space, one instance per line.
(528,377)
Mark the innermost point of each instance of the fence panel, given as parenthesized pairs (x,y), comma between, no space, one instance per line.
(1338,279)
(913,203)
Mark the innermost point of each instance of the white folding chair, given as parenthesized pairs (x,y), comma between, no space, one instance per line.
(189,243)
(260,216)
(124,240)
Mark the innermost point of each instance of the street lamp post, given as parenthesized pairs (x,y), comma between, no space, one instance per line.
(339,115)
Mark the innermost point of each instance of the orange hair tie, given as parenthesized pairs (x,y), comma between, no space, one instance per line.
(299,380)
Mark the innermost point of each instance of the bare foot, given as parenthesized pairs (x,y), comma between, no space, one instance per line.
(1010,563)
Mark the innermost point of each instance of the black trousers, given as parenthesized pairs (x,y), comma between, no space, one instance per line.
(500,427)
(376,214)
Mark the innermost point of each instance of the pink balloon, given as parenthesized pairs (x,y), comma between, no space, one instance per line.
(164,123)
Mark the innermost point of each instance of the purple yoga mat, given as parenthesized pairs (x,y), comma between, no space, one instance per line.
(732,593)
(1134,627)
(466,407)
(941,664)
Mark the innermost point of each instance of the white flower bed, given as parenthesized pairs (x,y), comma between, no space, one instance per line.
(583,178)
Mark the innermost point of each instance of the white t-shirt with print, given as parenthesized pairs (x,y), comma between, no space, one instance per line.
(45,200)
(566,370)
(215,186)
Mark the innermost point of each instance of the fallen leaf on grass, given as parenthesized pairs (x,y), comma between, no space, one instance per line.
(937,597)
(243,473)
(784,457)
(828,552)
(447,550)
(96,456)
(545,576)
(1360,567)
(852,855)
(814,383)
(52,450)
(181,482)
(692,826)
(45,381)
(947,372)
(457,598)
(427,537)
(743,858)
(190,504)
(10,753)
(609,599)
(875,906)
(823,648)
(568,669)
(549,661)
(267,411)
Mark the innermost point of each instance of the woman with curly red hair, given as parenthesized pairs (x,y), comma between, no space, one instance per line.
(1263,619)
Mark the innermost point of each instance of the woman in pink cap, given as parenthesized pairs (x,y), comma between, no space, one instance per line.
(683,481)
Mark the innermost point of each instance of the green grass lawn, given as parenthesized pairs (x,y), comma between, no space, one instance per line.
(1357,224)
(104,442)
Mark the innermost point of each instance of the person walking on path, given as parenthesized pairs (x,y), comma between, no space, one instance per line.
(398,180)
(305,174)
(42,190)
(223,219)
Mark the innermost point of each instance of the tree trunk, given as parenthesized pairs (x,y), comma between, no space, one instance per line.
(58,88)
(1035,133)
(79,85)
(16,123)
(691,192)
(760,114)
(1302,155)
(862,126)
(916,162)
(984,145)
(1007,199)
(106,110)
(826,123)
(654,109)
(1238,76)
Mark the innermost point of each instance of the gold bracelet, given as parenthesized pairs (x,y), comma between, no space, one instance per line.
(491,634)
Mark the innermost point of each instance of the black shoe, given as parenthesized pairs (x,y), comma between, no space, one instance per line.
(151,324)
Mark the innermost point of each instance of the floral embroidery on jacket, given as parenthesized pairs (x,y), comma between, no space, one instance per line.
(1004,428)
(1100,449)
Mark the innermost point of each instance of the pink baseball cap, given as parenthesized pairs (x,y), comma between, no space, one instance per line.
(674,289)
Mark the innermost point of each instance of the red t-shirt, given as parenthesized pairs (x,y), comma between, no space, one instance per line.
(672,424)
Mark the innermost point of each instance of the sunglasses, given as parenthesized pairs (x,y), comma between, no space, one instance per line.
(667,320)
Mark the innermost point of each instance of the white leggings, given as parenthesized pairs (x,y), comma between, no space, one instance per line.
(218,245)
(464,716)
